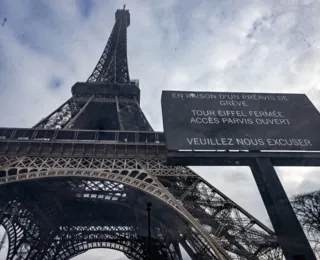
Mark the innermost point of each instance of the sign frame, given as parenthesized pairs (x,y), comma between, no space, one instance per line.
(278,125)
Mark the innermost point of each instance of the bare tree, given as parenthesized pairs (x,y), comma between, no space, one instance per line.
(307,208)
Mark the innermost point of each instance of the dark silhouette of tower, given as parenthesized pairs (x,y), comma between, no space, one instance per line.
(83,176)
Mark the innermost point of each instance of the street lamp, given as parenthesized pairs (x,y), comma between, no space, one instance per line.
(149,204)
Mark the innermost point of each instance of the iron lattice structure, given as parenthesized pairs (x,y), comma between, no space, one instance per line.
(82,176)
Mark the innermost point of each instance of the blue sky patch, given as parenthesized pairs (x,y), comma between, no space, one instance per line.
(55,82)
(27,38)
(85,7)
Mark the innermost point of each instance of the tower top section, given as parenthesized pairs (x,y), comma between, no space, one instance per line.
(123,15)
(112,66)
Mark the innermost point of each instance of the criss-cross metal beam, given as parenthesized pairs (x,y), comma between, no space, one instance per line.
(112,66)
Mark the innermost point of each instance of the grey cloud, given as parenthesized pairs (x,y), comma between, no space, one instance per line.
(236,176)
(309,184)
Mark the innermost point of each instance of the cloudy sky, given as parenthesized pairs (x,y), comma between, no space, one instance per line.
(214,45)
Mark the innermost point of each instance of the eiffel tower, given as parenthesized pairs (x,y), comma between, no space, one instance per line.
(82,177)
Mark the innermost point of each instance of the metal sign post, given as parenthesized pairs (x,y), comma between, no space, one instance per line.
(291,237)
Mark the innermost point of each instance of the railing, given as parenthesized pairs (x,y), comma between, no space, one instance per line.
(52,135)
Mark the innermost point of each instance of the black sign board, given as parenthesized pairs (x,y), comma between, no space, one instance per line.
(239,121)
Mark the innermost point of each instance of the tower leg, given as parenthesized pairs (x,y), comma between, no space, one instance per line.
(290,235)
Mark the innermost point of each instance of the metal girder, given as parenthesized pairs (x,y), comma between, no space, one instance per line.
(88,235)
(241,234)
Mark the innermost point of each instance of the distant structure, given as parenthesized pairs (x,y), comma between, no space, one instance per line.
(82,177)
